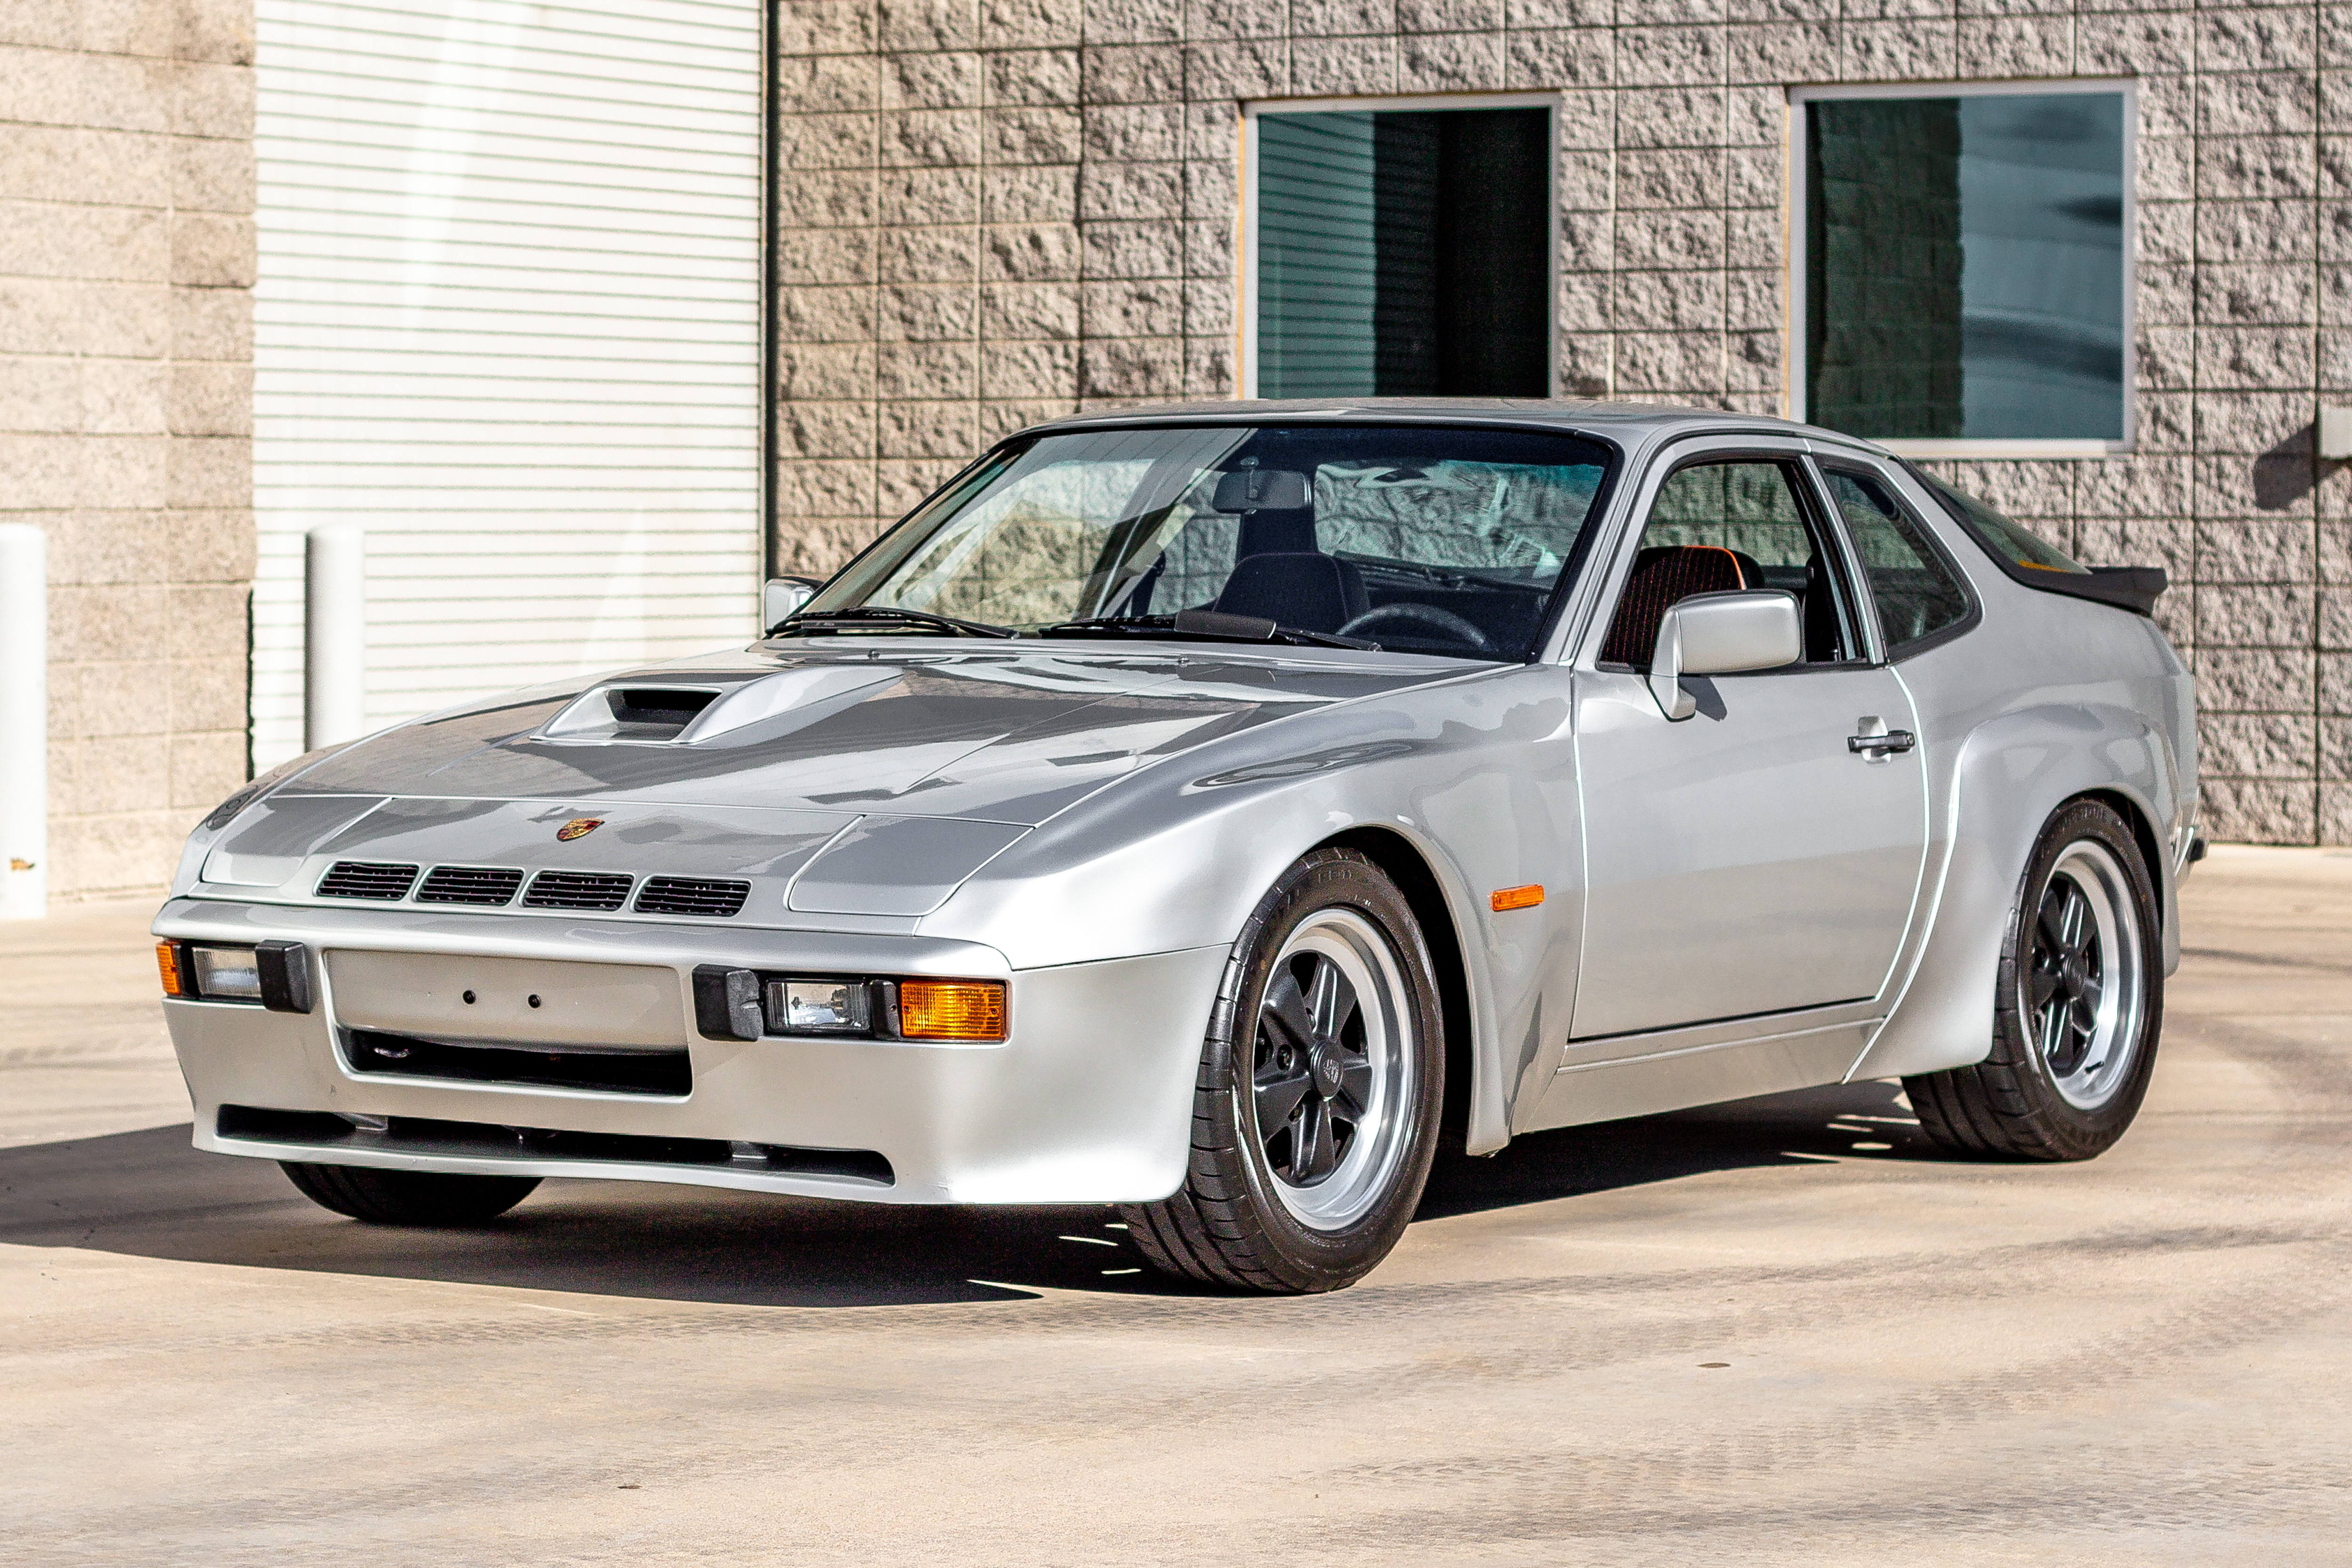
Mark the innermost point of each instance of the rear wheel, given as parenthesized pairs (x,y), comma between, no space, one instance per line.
(424,1198)
(2077,1011)
(1315,1115)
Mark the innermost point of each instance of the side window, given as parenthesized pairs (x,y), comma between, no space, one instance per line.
(1916,593)
(1717,526)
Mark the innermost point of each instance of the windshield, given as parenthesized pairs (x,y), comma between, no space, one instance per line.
(1422,539)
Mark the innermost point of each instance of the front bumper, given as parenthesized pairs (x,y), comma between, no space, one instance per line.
(1090,1100)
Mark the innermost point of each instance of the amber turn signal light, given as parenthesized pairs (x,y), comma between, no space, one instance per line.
(167,967)
(952,1010)
(1525,898)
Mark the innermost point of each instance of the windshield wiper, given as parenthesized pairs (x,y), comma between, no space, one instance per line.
(1208,626)
(828,622)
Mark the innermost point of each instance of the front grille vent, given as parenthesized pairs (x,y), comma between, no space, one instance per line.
(469,885)
(692,896)
(366,880)
(577,890)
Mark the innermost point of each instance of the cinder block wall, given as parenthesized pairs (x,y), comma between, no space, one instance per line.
(126,397)
(996,210)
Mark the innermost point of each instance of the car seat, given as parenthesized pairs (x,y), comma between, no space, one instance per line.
(1303,588)
(1663,576)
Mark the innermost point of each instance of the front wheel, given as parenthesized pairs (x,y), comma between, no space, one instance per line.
(2078,1008)
(422,1198)
(1315,1114)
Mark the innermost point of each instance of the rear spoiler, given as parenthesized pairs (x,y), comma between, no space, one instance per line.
(2133,588)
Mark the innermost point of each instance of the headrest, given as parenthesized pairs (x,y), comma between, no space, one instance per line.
(1313,592)
(1663,576)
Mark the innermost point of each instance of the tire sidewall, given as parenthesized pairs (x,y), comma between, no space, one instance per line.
(2069,1130)
(1309,1259)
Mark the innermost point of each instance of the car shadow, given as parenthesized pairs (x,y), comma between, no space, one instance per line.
(150,1194)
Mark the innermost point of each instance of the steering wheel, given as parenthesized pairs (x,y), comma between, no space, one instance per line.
(1430,615)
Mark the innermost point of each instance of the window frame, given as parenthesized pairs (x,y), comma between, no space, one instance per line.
(1820,518)
(1820,466)
(1246,260)
(1797,218)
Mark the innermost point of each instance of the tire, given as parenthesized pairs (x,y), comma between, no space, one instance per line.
(2078,1008)
(1311,1142)
(422,1198)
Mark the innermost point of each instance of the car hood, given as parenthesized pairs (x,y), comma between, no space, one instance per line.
(866,779)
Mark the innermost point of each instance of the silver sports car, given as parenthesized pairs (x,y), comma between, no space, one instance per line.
(1210,811)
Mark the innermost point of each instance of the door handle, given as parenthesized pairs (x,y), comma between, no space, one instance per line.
(1880,744)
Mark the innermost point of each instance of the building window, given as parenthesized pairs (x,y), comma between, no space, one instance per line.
(1963,272)
(1399,251)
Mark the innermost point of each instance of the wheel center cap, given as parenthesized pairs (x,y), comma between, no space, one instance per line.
(2077,970)
(1323,1065)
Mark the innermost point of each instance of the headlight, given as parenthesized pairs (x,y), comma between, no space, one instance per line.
(228,973)
(275,974)
(746,1004)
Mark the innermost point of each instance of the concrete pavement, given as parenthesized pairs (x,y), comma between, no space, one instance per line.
(2146,1359)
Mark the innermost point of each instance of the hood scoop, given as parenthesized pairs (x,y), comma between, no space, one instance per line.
(644,713)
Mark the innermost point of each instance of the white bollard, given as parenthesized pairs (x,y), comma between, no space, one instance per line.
(334,639)
(23,722)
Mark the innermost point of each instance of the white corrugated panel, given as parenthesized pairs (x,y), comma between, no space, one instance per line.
(508,322)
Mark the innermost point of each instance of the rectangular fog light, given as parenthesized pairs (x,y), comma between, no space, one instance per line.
(820,1006)
(231,972)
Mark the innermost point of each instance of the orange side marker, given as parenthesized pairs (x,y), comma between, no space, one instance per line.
(1525,898)
(167,964)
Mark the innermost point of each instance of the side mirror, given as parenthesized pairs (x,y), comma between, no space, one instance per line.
(1722,633)
(781,596)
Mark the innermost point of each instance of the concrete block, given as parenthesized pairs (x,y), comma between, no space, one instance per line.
(2335,180)
(820,371)
(1240,68)
(824,488)
(209,99)
(2256,811)
(1587,118)
(2272,616)
(2256,550)
(2025,490)
(2260,38)
(2252,680)
(948,80)
(1037,193)
(2138,486)
(1108,191)
(1524,15)
(1134,21)
(203,399)
(1210,308)
(928,25)
(2169,232)
(999,419)
(2254,424)
(2263,103)
(1022,311)
(203,620)
(1587,367)
(1673,177)
(1681,56)
(1213,132)
(204,694)
(824,26)
(931,136)
(2168,105)
(2140,542)
(1134,73)
(2134,42)
(825,84)
(916,313)
(210,175)
(1030,23)
(1586,181)
(1136,132)
(825,255)
(1154,249)
(205,769)
(2256,168)
(1029,372)
(101,243)
(1133,310)
(1562,56)
(1784,53)
(1211,368)
(823,315)
(902,483)
(1449,16)
(1752,300)
(1212,190)
(123,773)
(1031,77)
(1588,241)
(1341,68)
(925,370)
(1908,51)
(2335,813)
(1133,367)
(60,164)
(206,323)
(2335,683)
(925,429)
(1677,302)
(928,196)
(2165,357)
(2165,295)
(1210,20)
(2254,358)
(2256,746)
(1670,240)
(1209,249)
(2014,47)
(209,471)
(1029,252)
(827,141)
(1670,117)
(212,544)
(41,396)
(949,254)
(819,546)
(1669,362)
(2334,633)
(1032,135)
(2167,168)
(1450,62)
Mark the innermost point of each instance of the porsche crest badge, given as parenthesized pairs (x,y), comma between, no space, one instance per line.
(578,827)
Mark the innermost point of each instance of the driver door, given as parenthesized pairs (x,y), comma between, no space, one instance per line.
(1753,862)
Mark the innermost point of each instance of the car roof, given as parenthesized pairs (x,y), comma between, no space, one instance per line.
(1629,424)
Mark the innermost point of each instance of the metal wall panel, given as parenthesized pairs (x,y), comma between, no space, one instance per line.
(507,321)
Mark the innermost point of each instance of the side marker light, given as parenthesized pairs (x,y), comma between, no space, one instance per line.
(1525,898)
(167,967)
